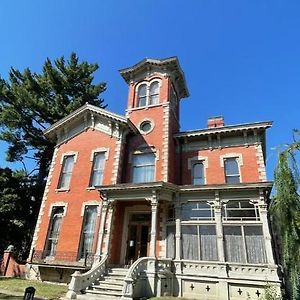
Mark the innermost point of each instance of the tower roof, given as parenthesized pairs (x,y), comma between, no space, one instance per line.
(170,64)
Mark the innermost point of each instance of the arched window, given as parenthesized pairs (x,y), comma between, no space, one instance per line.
(54,230)
(154,92)
(198,173)
(142,95)
(232,173)
(88,230)
(148,94)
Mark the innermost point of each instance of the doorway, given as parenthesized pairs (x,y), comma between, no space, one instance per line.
(138,236)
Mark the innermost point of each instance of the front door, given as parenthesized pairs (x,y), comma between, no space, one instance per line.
(138,237)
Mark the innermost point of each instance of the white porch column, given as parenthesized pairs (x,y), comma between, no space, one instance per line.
(219,228)
(108,231)
(178,229)
(102,226)
(263,212)
(154,207)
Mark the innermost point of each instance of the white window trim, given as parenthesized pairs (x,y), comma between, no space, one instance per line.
(198,159)
(69,153)
(145,120)
(58,204)
(90,203)
(147,83)
(142,152)
(239,159)
(99,150)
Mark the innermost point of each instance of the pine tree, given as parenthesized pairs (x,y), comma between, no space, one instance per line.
(285,212)
(31,102)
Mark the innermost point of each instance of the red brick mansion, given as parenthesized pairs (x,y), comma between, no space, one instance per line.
(134,207)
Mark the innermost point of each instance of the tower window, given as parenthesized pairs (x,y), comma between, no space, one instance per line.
(154,92)
(142,95)
(148,94)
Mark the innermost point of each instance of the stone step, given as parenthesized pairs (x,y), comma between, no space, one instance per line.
(120,271)
(111,281)
(96,297)
(105,286)
(104,293)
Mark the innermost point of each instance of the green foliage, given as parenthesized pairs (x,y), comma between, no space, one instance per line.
(30,103)
(17,211)
(285,212)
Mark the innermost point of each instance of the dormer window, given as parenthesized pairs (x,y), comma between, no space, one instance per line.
(148,94)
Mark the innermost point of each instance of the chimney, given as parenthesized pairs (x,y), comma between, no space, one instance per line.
(213,122)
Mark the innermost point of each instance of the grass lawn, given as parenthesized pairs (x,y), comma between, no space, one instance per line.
(43,290)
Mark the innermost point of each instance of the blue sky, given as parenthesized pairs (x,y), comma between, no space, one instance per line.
(241,58)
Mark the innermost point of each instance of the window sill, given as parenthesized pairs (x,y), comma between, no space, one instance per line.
(62,190)
(90,188)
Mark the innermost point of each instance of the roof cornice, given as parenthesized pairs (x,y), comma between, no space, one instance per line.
(224,129)
(170,63)
(185,188)
(93,109)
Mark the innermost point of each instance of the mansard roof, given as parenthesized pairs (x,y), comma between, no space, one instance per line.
(92,110)
(171,64)
(225,129)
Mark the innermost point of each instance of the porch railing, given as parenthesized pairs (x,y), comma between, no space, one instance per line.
(80,282)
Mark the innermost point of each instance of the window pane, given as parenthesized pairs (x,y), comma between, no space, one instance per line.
(232,179)
(154,91)
(231,166)
(190,245)
(171,241)
(240,210)
(234,245)
(98,168)
(208,242)
(54,230)
(88,231)
(66,173)
(143,167)
(198,174)
(142,93)
(255,244)
(197,211)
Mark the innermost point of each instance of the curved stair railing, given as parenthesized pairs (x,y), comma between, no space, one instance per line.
(80,281)
(138,267)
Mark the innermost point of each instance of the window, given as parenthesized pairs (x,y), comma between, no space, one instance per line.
(197,211)
(142,95)
(198,173)
(53,231)
(242,210)
(199,242)
(171,241)
(98,168)
(232,174)
(66,172)
(143,167)
(244,244)
(88,231)
(154,92)
(148,94)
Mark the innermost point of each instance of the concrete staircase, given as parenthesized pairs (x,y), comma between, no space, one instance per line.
(108,287)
